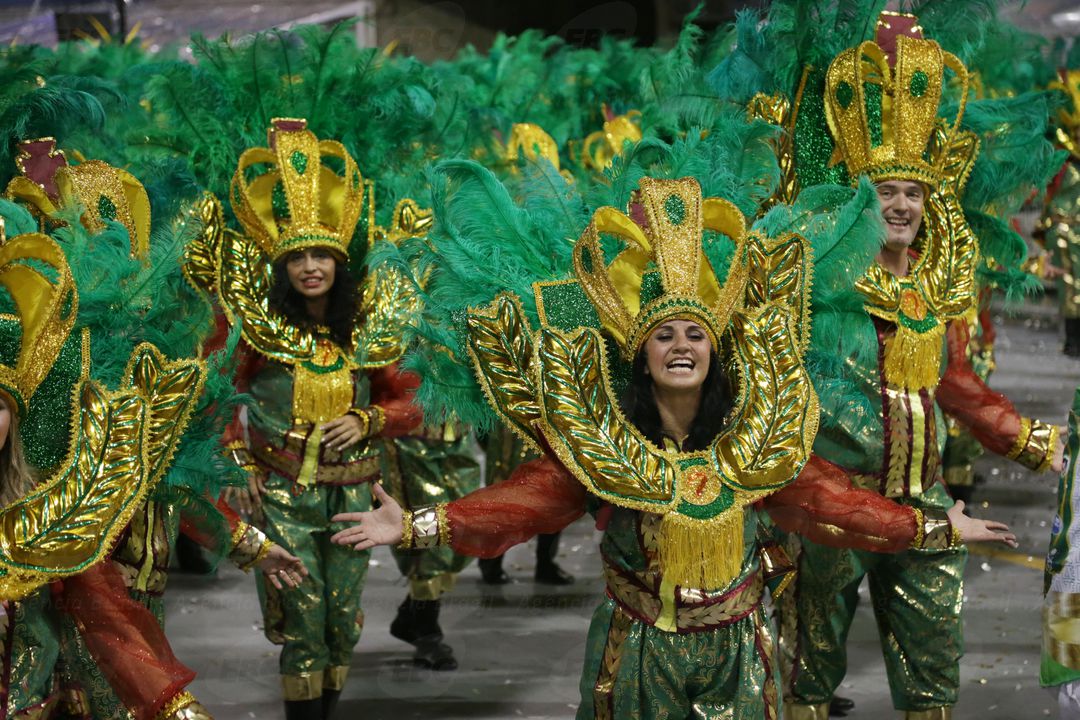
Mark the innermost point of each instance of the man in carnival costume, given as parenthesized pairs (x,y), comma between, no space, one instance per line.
(320,337)
(881,103)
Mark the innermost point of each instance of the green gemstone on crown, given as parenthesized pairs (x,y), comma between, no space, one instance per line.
(675,209)
(299,161)
(278,201)
(106,208)
(920,81)
(844,94)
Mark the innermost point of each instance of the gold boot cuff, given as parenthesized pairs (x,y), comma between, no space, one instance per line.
(334,677)
(819,711)
(941,713)
(432,588)
(302,686)
(184,706)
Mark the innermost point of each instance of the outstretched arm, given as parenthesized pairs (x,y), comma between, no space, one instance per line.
(825,507)
(990,416)
(539,497)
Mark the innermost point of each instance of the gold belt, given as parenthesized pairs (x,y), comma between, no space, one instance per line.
(286,464)
(696,610)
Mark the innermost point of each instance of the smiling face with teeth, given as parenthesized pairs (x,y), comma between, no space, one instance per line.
(902,208)
(677,356)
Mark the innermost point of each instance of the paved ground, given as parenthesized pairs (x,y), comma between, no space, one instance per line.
(521,648)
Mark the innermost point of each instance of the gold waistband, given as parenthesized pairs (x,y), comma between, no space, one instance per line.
(287,464)
(696,610)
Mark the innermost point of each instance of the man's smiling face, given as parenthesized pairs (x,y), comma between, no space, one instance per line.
(902,207)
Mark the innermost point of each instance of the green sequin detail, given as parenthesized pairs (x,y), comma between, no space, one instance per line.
(919,83)
(106,208)
(299,161)
(651,288)
(278,201)
(873,112)
(813,144)
(919,326)
(844,94)
(325,370)
(675,209)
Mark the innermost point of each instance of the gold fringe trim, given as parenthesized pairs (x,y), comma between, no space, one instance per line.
(318,397)
(913,359)
(702,553)
(178,702)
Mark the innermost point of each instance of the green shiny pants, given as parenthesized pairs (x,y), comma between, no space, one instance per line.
(917,597)
(318,623)
(633,670)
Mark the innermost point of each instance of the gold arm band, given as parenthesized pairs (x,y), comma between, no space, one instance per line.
(249,547)
(935,531)
(406,530)
(373,417)
(425,528)
(1034,446)
(183,706)
(239,453)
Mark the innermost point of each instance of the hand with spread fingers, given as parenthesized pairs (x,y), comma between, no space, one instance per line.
(381,526)
(248,500)
(978,530)
(283,568)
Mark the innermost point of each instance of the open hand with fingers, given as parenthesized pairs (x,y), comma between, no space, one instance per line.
(283,568)
(381,526)
(976,530)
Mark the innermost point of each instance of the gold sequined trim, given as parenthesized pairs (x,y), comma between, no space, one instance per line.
(249,547)
(444,525)
(302,686)
(172,708)
(406,529)
(334,677)
(1021,439)
(820,711)
(920,528)
(1035,444)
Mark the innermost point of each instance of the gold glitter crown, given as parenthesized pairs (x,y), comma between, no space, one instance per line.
(36,275)
(662,274)
(600,148)
(882,98)
(300,202)
(47,183)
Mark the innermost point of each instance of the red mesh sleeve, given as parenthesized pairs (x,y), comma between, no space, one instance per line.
(210,524)
(539,497)
(248,364)
(125,641)
(992,419)
(823,505)
(392,390)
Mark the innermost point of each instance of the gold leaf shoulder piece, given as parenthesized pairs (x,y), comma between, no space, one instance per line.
(71,521)
(125,442)
(584,426)
(779,272)
(390,305)
(202,251)
(501,348)
(244,277)
(775,426)
(173,389)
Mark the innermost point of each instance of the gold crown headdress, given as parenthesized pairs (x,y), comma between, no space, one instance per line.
(37,277)
(665,234)
(882,99)
(47,183)
(301,202)
(600,148)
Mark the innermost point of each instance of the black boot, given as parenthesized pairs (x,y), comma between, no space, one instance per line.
(491,571)
(404,625)
(304,709)
(840,706)
(548,571)
(1072,337)
(329,702)
(417,623)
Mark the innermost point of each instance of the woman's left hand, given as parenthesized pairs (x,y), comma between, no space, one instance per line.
(344,432)
(283,568)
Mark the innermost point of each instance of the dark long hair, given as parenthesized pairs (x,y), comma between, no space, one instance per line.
(342,305)
(639,404)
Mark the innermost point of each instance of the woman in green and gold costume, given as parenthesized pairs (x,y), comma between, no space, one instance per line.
(624,391)
(320,334)
(61,524)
